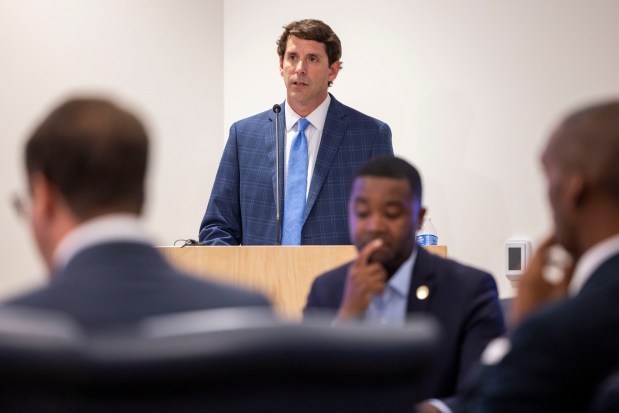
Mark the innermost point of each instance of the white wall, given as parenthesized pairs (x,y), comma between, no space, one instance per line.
(162,58)
(470,90)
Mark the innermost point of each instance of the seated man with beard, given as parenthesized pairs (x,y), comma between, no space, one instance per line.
(393,277)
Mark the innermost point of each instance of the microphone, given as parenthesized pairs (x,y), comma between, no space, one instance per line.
(187,242)
(277,108)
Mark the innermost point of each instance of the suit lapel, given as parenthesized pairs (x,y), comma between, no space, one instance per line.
(423,280)
(604,275)
(336,125)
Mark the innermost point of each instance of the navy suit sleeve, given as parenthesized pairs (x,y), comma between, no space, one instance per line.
(313,298)
(557,358)
(532,375)
(326,293)
(313,302)
(484,322)
(222,223)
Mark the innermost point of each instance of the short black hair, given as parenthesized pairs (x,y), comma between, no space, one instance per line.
(392,167)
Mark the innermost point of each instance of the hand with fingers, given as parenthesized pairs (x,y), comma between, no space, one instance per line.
(364,279)
(545,280)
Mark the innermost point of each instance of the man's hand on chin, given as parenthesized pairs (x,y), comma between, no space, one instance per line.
(363,280)
(545,280)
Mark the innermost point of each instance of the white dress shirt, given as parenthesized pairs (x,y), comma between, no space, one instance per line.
(313,133)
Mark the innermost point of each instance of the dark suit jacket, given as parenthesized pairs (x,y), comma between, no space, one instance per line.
(123,282)
(559,355)
(463,299)
(241,209)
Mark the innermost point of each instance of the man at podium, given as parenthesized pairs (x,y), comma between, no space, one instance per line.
(320,144)
(393,277)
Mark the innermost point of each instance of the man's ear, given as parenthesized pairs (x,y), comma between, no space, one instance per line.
(43,197)
(574,190)
(334,70)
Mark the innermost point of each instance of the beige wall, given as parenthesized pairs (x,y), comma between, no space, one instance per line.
(161,57)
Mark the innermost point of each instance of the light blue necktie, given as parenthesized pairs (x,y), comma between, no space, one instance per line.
(296,187)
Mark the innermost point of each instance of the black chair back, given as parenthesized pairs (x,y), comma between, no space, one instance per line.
(215,361)
(606,399)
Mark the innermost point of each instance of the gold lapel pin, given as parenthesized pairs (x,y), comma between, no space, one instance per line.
(423,292)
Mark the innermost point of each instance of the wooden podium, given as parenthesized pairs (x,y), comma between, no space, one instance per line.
(284,274)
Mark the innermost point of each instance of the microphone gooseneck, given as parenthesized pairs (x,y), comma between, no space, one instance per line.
(278,219)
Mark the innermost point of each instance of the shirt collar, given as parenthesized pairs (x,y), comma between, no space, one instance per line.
(317,118)
(591,261)
(400,281)
(113,227)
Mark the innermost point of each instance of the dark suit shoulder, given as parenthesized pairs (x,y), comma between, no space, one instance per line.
(327,289)
(32,297)
(472,291)
(249,128)
(558,355)
(222,295)
(591,315)
(339,108)
(333,276)
(123,282)
(265,116)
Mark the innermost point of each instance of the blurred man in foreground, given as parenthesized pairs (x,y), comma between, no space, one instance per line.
(86,165)
(566,340)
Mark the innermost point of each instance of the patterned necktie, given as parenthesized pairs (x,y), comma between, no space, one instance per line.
(296,187)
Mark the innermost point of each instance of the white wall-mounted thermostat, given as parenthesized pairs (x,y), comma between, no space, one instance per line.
(517,256)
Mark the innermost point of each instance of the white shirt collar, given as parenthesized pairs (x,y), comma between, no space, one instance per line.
(591,261)
(317,118)
(113,227)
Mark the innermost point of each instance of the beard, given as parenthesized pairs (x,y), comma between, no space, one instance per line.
(385,254)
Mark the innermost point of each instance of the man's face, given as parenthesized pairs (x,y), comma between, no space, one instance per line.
(384,208)
(559,197)
(306,72)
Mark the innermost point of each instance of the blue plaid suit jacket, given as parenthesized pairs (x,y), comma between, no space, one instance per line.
(241,208)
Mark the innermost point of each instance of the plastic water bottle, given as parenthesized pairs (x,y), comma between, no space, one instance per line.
(427,234)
